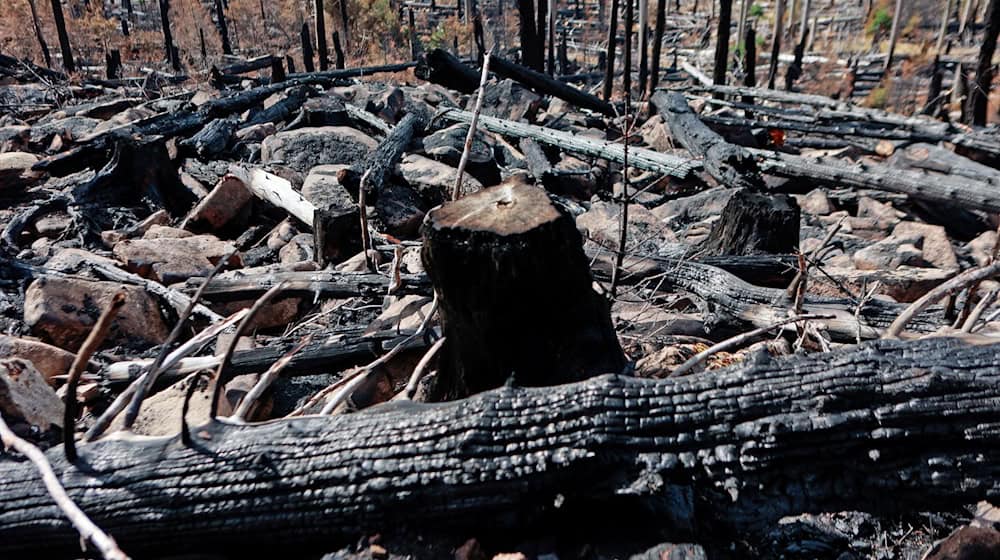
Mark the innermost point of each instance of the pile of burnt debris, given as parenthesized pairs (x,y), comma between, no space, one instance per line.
(796,297)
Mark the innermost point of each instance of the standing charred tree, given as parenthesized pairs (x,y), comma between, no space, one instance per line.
(893,35)
(750,80)
(338,51)
(509,312)
(722,42)
(168,38)
(643,44)
(609,67)
(345,23)
(779,22)
(201,44)
(38,34)
(943,31)
(627,54)
(654,61)
(979,96)
(67,52)
(541,21)
(551,32)
(530,48)
(220,23)
(307,49)
(113,64)
(324,58)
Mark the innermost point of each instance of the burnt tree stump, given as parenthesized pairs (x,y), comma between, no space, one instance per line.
(754,223)
(515,294)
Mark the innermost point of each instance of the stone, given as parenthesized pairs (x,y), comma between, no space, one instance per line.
(883,214)
(400,210)
(49,360)
(161,231)
(508,99)
(967,543)
(654,134)
(694,208)
(69,128)
(15,170)
(25,395)
(904,284)
(53,225)
(446,145)
(256,132)
(814,202)
(78,261)
(64,310)
(388,105)
(981,248)
(404,314)
(298,249)
(601,224)
(172,260)
(278,313)
(223,204)
(434,180)
(160,414)
(305,148)
(281,235)
(889,254)
(14,138)
(936,247)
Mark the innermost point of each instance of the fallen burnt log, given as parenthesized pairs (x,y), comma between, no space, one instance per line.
(640,158)
(951,189)
(325,283)
(865,429)
(730,165)
(735,300)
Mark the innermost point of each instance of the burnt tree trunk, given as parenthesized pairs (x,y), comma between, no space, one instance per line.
(609,66)
(168,38)
(979,96)
(38,34)
(750,80)
(220,15)
(515,294)
(643,46)
(307,49)
(324,55)
(345,23)
(64,47)
(755,223)
(547,85)
(441,67)
(893,35)
(722,42)
(852,429)
(627,52)
(654,62)
(338,51)
(542,7)
(779,22)
(529,35)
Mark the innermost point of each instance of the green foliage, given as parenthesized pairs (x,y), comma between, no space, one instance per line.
(756,10)
(878,98)
(881,22)
(438,38)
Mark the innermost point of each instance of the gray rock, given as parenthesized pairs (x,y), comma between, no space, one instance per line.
(305,148)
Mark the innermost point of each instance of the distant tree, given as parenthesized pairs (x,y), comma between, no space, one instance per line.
(67,52)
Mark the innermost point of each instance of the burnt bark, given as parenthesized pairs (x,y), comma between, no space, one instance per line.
(220,23)
(324,55)
(755,223)
(307,49)
(515,294)
(609,65)
(979,96)
(859,429)
(441,67)
(64,47)
(530,48)
(654,62)
(547,85)
(722,42)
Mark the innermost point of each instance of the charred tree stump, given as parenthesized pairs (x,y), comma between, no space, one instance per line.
(60,21)
(113,64)
(753,223)
(516,294)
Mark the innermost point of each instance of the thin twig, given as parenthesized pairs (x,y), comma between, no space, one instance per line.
(90,345)
(456,192)
(950,287)
(186,405)
(143,388)
(625,199)
(418,372)
(814,257)
(88,530)
(366,240)
(266,380)
(700,357)
(185,349)
(984,303)
(228,356)
(350,382)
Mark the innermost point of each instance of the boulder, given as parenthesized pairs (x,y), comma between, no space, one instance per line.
(646,232)
(305,148)
(15,170)
(222,205)
(64,310)
(69,129)
(49,360)
(937,249)
(890,253)
(434,180)
(174,259)
(26,396)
